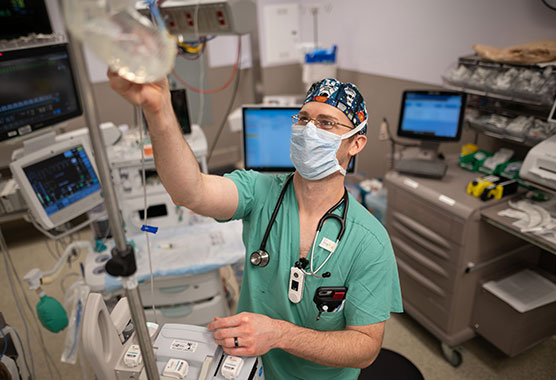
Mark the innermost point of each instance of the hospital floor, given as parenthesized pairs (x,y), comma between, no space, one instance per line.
(404,335)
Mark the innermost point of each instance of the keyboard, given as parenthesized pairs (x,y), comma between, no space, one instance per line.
(422,168)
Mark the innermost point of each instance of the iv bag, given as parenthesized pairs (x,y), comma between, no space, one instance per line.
(125,40)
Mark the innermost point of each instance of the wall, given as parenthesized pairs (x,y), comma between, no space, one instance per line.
(384,47)
(419,40)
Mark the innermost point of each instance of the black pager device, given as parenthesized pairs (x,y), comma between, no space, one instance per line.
(329,298)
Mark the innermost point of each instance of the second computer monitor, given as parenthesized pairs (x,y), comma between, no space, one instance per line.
(59,182)
(431,115)
(37,89)
(266,138)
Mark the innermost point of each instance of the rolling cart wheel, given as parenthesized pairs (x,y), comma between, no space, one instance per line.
(452,355)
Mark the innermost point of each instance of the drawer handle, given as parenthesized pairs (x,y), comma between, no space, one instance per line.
(174,289)
(417,256)
(415,237)
(423,231)
(418,277)
(177,312)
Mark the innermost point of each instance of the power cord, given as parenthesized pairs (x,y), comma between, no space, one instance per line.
(231,105)
(386,134)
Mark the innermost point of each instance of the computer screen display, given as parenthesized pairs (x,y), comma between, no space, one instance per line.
(22,17)
(37,89)
(432,115)
(59,182)
(266,138)
(63,179)
(179,104)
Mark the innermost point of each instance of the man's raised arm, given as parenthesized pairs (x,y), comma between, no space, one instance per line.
(176,164)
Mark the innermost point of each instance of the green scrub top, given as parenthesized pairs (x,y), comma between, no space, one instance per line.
(363,262)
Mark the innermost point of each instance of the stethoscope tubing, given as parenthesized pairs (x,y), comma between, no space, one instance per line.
(341,220)
(275,213)
(327,215)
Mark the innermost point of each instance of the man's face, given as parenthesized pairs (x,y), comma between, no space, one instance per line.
(323,111)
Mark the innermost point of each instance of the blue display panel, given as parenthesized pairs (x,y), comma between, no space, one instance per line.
(267,133)
(63,179)
(432,115)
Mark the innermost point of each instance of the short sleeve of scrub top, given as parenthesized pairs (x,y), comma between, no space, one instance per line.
(363,262)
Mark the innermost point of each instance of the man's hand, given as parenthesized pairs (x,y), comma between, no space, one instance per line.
(150,96)
(256,334)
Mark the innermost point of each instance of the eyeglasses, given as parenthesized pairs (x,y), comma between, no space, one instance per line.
(325,124)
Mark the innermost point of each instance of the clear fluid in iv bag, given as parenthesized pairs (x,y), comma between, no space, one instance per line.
(126,41)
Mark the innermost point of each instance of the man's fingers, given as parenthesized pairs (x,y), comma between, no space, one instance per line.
(117,82)
(226,342)
(241,351)
(221,323)
(226,333)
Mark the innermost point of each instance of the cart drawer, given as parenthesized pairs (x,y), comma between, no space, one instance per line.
(447,226)
(418,258)
(182,289)
(200,314)
(424,295)
(428,243)
(508,329)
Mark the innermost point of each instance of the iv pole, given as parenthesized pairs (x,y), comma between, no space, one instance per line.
(122,263)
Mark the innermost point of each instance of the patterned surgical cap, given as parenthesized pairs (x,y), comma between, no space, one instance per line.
(344,96)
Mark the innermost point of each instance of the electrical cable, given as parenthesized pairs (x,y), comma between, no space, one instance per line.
(234,94)
(5,344)
(145,217)
(50,251)
(201,40)
(24,354)
(4,247)
(201,67)
(212,91)
(33,318)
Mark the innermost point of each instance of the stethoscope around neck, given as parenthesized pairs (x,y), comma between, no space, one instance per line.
(261,257)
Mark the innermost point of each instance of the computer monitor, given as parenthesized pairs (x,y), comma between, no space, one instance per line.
(266,138)
(430,115)
(178,98)
(59,182)
(21,18)
(181,109)
(37,89)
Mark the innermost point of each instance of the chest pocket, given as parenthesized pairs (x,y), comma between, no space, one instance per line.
(328,321)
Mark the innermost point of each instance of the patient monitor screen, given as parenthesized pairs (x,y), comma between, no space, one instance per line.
(432,115)
(23,17)
(266,138)
(63,179)
(36,89)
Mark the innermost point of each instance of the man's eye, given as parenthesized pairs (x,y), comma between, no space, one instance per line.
(327,123)
(304,119)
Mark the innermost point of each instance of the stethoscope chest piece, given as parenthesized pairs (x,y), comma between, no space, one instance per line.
(259,258)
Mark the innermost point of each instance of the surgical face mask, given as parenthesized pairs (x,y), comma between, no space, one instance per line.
(313,150)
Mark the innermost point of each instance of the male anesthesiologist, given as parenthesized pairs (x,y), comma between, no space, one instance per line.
(319,237)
